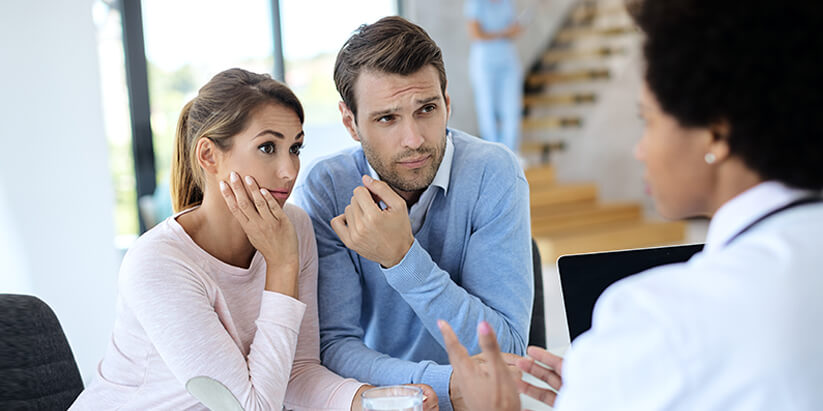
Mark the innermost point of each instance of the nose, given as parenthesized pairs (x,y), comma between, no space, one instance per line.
(412,137)
(288,169)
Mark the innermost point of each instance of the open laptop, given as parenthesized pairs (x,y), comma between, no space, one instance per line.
(583,277)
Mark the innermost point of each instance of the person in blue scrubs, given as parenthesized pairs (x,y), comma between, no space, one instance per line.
(495,70)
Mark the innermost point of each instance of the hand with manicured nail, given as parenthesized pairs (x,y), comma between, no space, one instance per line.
(269,230)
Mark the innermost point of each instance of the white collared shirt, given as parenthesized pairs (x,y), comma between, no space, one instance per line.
(418,210)
(738,327)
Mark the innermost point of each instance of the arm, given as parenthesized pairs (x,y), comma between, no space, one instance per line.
(476,32)
(339,303)
(176,309)
(312,386)
(496,281)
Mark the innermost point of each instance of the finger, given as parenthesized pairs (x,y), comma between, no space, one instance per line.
(384,192)
(540,394)
(364,199)
(231,203)
(458,356)
(551,377)
(488,343)
(338,224)
(274,206)
(354,219)
(243,202)
(547,358)
(511,359)
(257,199)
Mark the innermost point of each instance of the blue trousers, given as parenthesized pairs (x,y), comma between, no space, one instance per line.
(497,79)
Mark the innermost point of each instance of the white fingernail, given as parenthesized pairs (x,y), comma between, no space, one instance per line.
(264,191)
(248,180)
(234,177)
(223,186)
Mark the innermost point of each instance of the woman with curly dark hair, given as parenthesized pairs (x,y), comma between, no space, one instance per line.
(731,101)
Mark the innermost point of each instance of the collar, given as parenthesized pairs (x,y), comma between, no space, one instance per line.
(747,207)
(443,175)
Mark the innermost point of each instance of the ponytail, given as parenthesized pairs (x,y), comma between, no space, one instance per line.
(185,190)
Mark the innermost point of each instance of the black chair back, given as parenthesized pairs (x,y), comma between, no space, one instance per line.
(37,367)
(537,331)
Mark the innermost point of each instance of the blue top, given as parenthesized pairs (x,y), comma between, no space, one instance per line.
(492,15)
(470,261)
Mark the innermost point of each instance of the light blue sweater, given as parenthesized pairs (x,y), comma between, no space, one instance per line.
(470,261)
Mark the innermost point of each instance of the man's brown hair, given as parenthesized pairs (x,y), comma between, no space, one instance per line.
(391,45)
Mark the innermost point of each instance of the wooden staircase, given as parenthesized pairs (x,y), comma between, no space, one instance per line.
(568,219)
(562,85)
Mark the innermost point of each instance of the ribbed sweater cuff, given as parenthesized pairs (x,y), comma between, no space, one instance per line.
(413,269)
(438,376)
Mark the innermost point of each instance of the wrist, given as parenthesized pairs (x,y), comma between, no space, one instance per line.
(400,255)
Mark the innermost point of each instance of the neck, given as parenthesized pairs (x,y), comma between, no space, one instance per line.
(214,229)
(733,179)
(411,197)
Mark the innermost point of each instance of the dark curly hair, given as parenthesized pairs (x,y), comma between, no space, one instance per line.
(755,64)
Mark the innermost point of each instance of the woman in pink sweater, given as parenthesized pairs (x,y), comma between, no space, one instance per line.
(225,288)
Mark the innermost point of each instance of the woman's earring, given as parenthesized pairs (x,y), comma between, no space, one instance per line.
(710,158)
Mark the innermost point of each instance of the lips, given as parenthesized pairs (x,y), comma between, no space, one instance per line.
(280,194)
(416,162)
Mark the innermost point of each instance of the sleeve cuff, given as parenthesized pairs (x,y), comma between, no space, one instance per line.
(282,310)
(411,271)
(438,376)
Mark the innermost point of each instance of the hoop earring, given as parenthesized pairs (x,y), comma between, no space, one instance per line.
(710,158)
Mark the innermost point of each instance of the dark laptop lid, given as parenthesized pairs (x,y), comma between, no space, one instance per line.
(583,277)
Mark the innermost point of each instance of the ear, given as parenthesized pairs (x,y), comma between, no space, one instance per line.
(348,120)
(208,155)
(720,140)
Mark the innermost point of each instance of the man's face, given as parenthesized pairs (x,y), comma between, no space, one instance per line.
(401,124)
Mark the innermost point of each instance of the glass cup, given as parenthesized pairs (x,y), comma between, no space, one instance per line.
(394,398)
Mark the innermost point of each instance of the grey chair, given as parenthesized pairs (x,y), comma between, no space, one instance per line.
(537,331)
(37,367)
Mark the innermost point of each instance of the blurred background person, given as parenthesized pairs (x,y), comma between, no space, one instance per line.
(495,70)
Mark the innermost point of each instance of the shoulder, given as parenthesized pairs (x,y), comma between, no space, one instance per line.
(341,164)
(330,179)
(160,258)
(474,154)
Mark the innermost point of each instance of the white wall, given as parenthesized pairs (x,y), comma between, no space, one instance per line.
(56,199)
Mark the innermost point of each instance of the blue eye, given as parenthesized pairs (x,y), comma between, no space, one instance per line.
(267,148)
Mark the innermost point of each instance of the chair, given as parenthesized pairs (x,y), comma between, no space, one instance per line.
(537,331)
(37,368)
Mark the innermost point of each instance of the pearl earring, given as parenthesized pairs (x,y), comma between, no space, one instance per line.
(710,158)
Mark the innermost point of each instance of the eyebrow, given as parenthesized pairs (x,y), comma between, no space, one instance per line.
(393,109)
(279,134)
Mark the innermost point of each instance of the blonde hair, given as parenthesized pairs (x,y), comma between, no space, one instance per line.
(220,111)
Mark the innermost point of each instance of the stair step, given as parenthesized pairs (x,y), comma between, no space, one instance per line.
(540,176)
(543,197)
(576,76)
(555,222)
(554,56)
(559,99)
(541,147)
(612,237)
(592,11)
(544,123)
(573,33)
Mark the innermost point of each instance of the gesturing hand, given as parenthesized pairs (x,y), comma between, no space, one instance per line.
(269,230)
(494,389)
(382,236)
(551,375)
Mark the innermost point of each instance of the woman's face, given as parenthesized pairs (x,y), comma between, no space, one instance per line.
(268,150)
(677,175)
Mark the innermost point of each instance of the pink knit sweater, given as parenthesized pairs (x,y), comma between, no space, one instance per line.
(182,313)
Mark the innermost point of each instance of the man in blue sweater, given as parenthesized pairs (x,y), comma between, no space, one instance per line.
(419,223)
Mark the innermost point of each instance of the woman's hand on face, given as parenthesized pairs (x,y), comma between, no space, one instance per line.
(268,228)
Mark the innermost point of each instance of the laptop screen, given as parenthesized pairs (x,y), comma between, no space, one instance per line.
(583,277)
